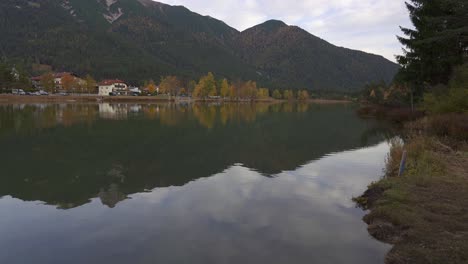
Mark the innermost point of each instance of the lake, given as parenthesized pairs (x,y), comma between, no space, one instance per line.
(187,183)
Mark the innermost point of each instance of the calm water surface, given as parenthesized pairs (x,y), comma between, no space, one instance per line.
(124,183)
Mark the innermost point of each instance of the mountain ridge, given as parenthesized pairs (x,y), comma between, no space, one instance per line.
(138,40)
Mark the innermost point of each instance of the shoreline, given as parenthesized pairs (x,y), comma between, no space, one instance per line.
(422,213)
(9,98)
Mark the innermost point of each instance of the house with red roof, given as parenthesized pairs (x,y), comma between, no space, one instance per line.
(113,87)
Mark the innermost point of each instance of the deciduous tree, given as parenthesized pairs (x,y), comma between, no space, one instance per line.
(288,95)
(224,90)
(150,86)
(47,82)
(277,94)
(90,84)
(69,83)
(169,84)
(206,86)
(303,95)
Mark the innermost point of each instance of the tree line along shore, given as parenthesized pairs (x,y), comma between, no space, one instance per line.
(208,87)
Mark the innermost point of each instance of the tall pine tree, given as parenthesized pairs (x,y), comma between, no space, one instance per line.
(438,42)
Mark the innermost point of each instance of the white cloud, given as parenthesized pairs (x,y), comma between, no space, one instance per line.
(368,25)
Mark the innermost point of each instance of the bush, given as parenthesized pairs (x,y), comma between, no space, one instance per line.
(451,125)
(392,162)
(455,101)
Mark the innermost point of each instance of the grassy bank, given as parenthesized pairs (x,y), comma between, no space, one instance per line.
(424,212)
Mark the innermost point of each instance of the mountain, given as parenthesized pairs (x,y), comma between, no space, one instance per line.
(138,40)
(290,55)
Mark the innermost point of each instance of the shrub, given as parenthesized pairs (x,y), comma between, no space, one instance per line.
(450,125)
(392,162)
(455,101)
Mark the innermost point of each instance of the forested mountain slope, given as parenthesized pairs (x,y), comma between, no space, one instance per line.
(136,40)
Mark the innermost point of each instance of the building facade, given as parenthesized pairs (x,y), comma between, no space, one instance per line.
(112,87)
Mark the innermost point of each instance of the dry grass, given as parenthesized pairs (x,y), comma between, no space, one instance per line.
(424,213)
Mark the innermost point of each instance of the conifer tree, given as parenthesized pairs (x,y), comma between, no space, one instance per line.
(438,42)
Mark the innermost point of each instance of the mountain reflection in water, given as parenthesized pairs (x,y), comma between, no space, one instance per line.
(67,154)
(194,183)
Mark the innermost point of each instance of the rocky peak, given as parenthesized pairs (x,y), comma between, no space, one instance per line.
(111,14)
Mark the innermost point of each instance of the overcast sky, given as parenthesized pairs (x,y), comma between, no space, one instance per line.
(368,25)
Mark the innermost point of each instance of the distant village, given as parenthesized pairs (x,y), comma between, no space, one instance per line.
(67,82)
(208,87)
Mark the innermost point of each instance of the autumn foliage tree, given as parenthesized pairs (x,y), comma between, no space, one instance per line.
(303,95)
(47,82)
(69,82)
(277,94)
(224,89)
(169,85)
(249,90)
(150,86)
(263,93)
(206,86)
(288,94)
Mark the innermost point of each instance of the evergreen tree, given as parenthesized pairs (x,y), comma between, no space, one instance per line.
(438,42)
(6,79)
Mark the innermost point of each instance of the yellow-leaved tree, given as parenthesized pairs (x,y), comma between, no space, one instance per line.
(206,86)
(169,85)
(277,94)
(224,90)
(288,95)
(263,93)
(303,95)
(150,86)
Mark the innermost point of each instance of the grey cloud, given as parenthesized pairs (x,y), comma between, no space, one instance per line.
(368,25)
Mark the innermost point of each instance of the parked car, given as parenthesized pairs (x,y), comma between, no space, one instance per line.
(41,92)
(63,94)
(18,91)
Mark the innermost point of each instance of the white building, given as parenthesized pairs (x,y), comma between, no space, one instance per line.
(116,87)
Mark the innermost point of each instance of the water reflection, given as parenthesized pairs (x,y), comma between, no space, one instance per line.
(26,117)
(235,216)
(67,154)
